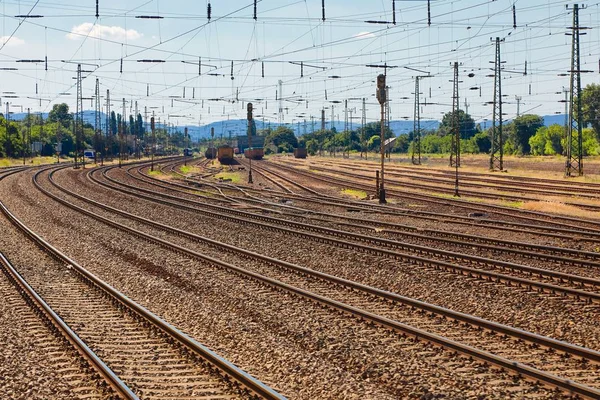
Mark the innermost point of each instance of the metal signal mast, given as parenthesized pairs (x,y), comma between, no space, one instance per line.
(497,150)
(574,162)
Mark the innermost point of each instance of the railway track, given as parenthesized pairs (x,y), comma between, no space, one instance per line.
(102,317)
(542,183)
(559,255)
(534,279)
(553,254)
(44,327)
(425,321)
(423,175)
(531,216)
(555,230)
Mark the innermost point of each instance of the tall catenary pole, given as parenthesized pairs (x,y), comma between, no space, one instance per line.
(382,98)
(497,150)
(574,162)
(97,126)
(455,154)
(416,147)
(153,142)
(109,131)
(78,120)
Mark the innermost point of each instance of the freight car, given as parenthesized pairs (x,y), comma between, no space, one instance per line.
(225,154)
(188,152)
(210,153)
(255,153)
(300,153)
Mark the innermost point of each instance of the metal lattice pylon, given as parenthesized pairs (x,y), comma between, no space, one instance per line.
(455,150)
(497,139)
(416,147)
(574,162)
(78,119)
(98,124)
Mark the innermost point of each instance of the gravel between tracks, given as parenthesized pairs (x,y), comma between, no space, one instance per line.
(546,315)
(34,362)
(290,344)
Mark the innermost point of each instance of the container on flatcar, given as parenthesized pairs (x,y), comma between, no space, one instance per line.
(225,154)
(188,152)
(254,153)
(300,153)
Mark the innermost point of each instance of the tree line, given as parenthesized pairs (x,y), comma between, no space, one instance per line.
(16,137)
(524,135)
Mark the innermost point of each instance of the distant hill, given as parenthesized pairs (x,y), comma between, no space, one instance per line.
(239,126)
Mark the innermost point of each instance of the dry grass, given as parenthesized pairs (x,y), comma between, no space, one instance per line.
(559,208)
(357,194)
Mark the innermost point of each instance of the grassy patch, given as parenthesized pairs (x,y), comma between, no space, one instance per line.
(235,178)
(357,194)
(560,208)
(12,162)
(154,173)
(187,169)
(513,204)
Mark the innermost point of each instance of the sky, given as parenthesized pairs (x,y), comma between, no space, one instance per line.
(321,64)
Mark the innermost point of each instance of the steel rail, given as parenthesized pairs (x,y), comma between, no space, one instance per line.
(36,301)
(226,367)
(531,251)
(478,194)
(463,204)
(339,236)
(518,368)
(424,175)
(579,351)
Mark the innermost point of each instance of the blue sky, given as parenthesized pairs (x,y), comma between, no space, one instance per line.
(285,34)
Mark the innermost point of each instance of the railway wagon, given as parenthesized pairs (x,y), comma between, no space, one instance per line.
(188,152)
(210,153)
(225,154)
(255,153)
(300,153)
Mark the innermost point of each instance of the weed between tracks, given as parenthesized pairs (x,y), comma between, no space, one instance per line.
(232,176)
(357,194)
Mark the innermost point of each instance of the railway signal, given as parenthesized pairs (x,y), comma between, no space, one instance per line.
(250,139)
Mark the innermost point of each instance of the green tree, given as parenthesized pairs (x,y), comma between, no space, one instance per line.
(60,113)
(524,127)
(467,124)
(283,138)
(590,106)
(113,123)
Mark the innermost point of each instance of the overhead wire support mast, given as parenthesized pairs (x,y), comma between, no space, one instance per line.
(497,149)
(97,148)
(455,152)
(79,120)
(416,147)
(574,161)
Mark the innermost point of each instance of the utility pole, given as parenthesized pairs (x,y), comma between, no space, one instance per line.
(97,123)
(122,133)
(78,120)
(382,98)
(280,113)
(363,122)
(416,147)
(574,162)
(518,99)
(497,150)
(455,151)
(152,126)
(345,115)
(455,154)
(109,132)
(249,107)
(323,119)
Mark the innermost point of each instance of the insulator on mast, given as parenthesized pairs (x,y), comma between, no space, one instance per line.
(121,64)
(255,10)
(208,11)
(514,8)
(428,12)
(394,12)
(263,69)
(323,9)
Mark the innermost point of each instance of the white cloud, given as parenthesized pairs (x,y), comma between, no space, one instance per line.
(14,41)
(364,35)
(103,32)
